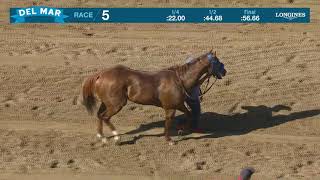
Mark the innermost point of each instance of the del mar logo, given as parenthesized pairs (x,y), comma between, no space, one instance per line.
(34,14)
(290,15)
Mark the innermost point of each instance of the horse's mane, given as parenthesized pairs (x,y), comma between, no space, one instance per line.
(182,69)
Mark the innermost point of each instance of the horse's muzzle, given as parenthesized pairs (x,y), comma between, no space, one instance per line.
(224,72)
(220,74)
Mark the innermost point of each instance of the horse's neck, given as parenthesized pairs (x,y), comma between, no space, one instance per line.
(191,77)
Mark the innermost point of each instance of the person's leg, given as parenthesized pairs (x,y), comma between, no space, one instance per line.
(196,111)
(181,121)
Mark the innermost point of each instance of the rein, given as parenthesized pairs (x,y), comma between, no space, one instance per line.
(202,94)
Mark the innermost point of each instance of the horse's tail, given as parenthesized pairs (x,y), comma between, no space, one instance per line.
(89,98)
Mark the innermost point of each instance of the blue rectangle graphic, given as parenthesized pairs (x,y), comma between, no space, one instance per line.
(43,14)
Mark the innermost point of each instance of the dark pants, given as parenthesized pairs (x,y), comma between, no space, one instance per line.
(195,111)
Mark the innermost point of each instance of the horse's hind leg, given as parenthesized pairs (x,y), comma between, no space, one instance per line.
(110,110)
(100,115)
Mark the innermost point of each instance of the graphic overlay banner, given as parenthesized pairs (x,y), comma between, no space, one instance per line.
(40,14)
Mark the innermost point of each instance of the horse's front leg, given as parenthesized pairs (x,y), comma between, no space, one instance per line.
(169,117)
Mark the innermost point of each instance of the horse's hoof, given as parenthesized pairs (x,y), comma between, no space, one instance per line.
(104,140)
(117,140)
(99,136)
(171,143)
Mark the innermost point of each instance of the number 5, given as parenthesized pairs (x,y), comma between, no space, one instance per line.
(105,15)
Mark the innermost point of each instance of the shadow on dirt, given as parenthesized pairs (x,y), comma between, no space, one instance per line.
(218,125)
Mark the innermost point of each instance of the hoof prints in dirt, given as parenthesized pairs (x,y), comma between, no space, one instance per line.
(23,142)
(51,151)
(59,99)
(200,165)
(75,100)
(113,50)
(70,162)
(302,67)
(89,34)
(34,108)
(188,153)
(290,58)
(264,74)
(54,164)
(190,163)
(309,162)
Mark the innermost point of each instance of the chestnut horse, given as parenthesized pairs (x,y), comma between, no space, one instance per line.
(167,88)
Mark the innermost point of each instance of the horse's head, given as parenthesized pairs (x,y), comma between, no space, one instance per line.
(216,68)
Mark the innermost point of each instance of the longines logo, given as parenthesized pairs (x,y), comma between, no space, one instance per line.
(290,15)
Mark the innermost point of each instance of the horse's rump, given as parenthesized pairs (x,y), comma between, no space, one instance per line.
(88,97)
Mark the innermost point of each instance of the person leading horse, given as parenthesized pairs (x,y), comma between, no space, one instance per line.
(167,89)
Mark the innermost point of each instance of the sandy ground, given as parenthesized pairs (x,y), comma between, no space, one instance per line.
(272,68)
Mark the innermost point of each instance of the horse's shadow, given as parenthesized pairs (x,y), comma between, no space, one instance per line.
(218,125)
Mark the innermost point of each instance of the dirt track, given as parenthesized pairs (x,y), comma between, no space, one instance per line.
(271,68)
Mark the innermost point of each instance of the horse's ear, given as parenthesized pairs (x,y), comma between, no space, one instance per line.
(215,53)
(210,51)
